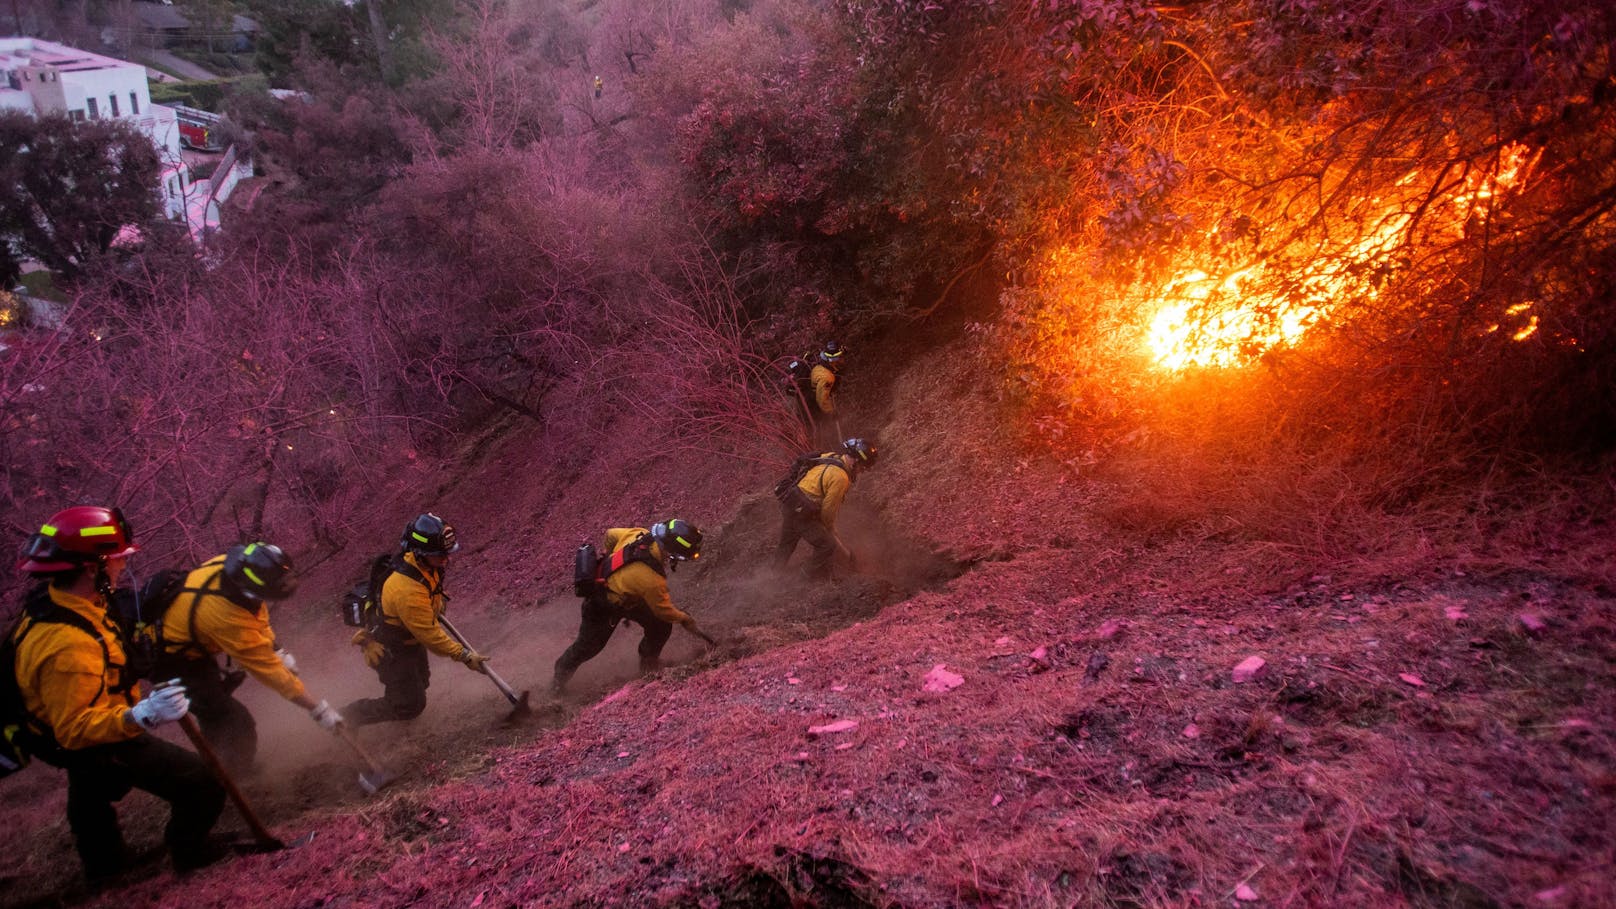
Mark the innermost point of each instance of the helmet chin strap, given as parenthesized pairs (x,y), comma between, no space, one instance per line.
(103,580)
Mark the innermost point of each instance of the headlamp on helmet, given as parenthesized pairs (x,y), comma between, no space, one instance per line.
(430,535)
(260,571)
(679,539)
(832,355)
(863,453)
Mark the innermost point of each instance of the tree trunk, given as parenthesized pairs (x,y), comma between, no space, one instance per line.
(378,33)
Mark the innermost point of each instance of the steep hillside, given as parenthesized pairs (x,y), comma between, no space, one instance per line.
(1025,696)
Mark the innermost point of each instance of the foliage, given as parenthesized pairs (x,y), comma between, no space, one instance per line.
(67,188)
(1443,222)
(205,94)
(386,38)
(294,31)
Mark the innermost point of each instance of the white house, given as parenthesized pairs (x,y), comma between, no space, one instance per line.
(43,77)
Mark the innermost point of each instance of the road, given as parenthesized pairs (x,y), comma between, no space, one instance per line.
(169,63)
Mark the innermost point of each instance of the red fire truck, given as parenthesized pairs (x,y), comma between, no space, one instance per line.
(198,128)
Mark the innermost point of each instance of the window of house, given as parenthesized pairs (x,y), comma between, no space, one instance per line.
(112,104)
(134,104)
(75,114)
(89,104)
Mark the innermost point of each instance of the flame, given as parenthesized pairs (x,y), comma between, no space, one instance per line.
(1191,333)
(1202,320)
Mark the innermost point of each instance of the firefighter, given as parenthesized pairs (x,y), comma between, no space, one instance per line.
(222,609)
(412,599)
(85,716)
(634,588)
(809,507)
(816,397)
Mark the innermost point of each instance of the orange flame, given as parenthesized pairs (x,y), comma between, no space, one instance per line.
(1202,320)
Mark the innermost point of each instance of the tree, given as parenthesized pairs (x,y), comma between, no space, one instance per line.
(67,188)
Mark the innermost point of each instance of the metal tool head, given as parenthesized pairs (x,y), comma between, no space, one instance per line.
(258,846)
(376,780)
(520,710)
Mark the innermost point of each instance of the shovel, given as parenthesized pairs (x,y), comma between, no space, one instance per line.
(519,705)
(377,777)
(263,840)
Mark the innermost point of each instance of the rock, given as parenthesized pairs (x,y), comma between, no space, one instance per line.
(1192,731)
(1410,678)
(1250,668)
(1244,893)
(1108,629)
(837,726)
(1532,622)
(940,679)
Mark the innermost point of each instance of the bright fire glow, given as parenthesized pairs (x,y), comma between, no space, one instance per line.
(1202,320)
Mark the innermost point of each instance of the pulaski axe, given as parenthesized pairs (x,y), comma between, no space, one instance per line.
(263,840)
(519,705)
(376,777)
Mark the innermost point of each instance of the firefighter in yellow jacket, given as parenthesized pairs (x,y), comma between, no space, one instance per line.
(85,716)
(633,587)
(816,400)
(222,609)
(412,600)
(808,509)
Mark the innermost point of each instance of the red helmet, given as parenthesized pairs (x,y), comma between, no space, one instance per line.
(76,537)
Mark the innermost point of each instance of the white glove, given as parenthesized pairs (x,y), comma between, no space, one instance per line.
(326,715)
(165,705)
(287,660)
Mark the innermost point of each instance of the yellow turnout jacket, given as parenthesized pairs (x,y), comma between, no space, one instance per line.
(67,680)
(415,607)
(826,484)
(223,626)
(824,381)
(637,582)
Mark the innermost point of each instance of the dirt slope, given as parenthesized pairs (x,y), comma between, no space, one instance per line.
(1411,740)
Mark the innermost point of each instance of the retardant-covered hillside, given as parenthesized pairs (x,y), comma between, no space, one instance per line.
(1025,696)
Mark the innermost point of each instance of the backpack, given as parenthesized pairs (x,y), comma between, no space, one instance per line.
(786,489)
(360,609)
(799,379)
(22,736)
(362,604)
(139,617)
(590,571)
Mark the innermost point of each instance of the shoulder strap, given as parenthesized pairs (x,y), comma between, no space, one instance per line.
(208,586)
(44,610)
(829,461)
(410,571)
(639,550)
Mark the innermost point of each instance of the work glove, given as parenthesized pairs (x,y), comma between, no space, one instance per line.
(287,660)
(474,661)
(164,705)
(371,648)
(326,715)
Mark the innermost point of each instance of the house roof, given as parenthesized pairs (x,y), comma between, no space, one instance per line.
(160,16)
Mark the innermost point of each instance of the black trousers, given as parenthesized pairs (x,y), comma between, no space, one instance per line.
(100,775)
(798,525)
(600,619)
(225,721)
(405,676)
